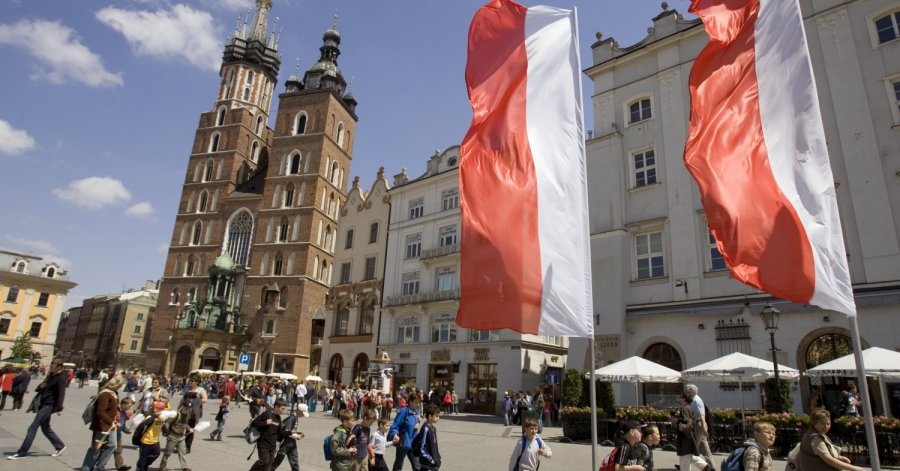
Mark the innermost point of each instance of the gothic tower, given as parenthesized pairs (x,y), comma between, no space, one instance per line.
(263,199)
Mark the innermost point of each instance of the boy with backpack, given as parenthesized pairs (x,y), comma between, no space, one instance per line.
(426,442)
(360,437)
(753,456)
(630,455)
(176,430)
(146,437)
(649,440)
(341,453)
(288,446)
(526,455)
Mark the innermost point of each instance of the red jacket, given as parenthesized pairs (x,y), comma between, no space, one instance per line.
(6,382)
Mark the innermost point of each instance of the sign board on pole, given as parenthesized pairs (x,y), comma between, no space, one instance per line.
(244,362)
(552,377)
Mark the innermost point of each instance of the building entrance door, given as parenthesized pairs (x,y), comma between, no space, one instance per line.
(182,361)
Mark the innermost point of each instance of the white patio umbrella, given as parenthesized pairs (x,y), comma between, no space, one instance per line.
(203,371)
(253,373)
(284,376)
(741,368)
(313,378)
(227,372)
(637,370)
(880,363)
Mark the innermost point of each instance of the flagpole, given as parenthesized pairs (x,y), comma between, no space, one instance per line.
(874,461)
(593,388)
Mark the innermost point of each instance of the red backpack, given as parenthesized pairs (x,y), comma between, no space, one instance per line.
(609,463)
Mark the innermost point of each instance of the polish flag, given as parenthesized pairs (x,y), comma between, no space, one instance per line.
(525,258)
(757,149)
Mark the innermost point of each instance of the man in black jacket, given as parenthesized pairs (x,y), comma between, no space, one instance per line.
(52,392)
(20,387)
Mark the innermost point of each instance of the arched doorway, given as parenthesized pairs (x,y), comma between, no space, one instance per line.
(210,359)
(183,361)
(663,395)
(820,348)
(335,366)
(361,369)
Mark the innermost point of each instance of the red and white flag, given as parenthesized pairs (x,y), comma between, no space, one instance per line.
(757,149)
(525,258)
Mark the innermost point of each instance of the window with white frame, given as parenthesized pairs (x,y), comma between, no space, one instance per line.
(408,331)
(443,331)
(484,335)
(35,330)
(413,245)
(416,208)
(294,167)
(289,195)
(639,110)
(373,233)
(270,327)
(345,273)
(284,228)
(208,171)
(300,123)
(716,260)
(202,201)
(43,299)
(449,199)
(447,236)
(248,85)
(278,265)
(650,260)
(197,233)
(370,268)
(20,266)
(220,117)
(410,283)
(137,329)
(214,143)
(134,344)
(644,164)
(893,90)
(12,295)
(348,240)
(887,26)
(445,278)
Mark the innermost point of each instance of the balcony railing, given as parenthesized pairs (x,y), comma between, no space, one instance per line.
(439,252)
(422,298)
(317,342)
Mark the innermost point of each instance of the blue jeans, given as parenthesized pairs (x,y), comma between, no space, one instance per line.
(94,459)
(42,420)
(403,452)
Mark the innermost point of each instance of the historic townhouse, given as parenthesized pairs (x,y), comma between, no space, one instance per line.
(661,288)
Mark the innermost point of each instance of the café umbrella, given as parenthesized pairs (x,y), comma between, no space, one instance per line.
(740,368)
(880,363)
(637,370)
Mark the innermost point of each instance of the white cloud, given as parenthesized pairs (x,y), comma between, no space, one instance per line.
(61,261)
(60,51)
(37,245)
(179,31)
(94,192)
(235,5)
(14,141)
(140,210)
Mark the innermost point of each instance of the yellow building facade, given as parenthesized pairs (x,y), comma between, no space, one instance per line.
(32,295)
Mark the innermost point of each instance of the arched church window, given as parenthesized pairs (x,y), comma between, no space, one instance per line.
(240,228)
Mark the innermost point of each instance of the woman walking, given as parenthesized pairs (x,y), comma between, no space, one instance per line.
(104,421)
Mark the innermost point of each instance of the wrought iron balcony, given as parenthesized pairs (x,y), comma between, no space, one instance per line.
(422,298)
(439,252)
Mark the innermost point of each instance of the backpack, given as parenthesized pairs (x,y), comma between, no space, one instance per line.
(141,429)
(326,446)
(609,463)
(522,452)
(251,433)
(88,415)
(734,462)
(416,446)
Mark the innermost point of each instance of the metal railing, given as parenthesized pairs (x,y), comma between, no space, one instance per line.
(422,298)
(439,252)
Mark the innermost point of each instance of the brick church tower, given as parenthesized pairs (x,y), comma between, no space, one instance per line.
(250,259)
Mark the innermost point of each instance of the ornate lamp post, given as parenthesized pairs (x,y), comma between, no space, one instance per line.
(770,317)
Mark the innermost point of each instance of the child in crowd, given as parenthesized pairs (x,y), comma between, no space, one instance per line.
(429,454)
(124,414)
(630,456)
(756,457)
(178,430)
(343,454)
(649,440)
(526,455)
(380,444)
(221,416)
(359,437)
(149,441)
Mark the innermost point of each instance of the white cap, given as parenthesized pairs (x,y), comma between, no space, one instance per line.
(303,410)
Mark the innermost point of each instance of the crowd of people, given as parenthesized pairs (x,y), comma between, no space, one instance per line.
(145,406)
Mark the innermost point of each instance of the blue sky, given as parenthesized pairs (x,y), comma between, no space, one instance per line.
(101,100)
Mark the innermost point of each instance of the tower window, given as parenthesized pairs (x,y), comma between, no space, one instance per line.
(259,126)
(214,143)
(300,124)
(208,171)
(289,196)
(220,117)
(340,135)
(283,229)
(198,231)
(295,164)
(254,151)
(201,204)
(278,266)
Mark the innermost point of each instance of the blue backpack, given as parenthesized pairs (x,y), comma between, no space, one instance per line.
(734,462)
(326,448)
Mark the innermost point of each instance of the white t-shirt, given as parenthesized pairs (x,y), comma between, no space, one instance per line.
(300,391)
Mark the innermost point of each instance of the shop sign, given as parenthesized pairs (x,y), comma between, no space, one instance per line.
(442,371)
(482,354)
(411,320)
(440,355)
(405,356)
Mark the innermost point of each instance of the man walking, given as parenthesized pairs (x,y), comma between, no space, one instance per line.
(52,394)
(701,428)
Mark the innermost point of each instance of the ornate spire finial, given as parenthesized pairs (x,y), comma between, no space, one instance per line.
(350,85)
(381,172)
(297,66)
(334,19)
(356,181)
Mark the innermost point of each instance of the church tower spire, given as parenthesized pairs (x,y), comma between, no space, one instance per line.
(250,64)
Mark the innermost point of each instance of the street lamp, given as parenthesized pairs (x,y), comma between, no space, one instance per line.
(770,317)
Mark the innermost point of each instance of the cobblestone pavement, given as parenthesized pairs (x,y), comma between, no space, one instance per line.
(467,442)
